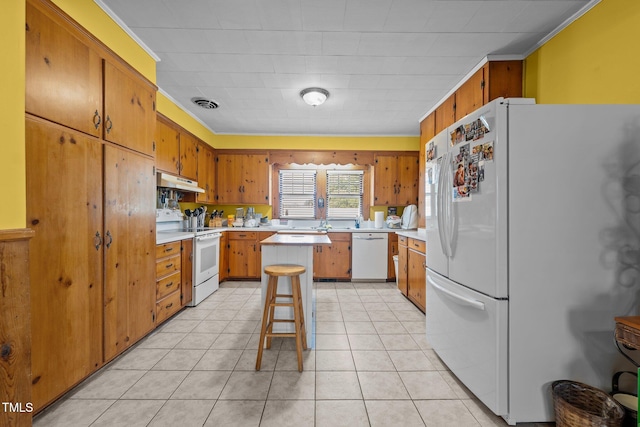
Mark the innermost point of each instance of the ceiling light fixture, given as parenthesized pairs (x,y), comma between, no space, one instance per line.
(314,96)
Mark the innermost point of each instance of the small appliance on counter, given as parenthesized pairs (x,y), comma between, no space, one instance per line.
(394,221)
(410,217)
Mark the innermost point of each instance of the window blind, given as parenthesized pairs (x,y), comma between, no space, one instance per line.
(344,194)
(297,193)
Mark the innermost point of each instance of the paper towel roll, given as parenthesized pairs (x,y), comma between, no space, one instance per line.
(379,219)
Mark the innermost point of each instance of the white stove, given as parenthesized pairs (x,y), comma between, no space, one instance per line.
(206,250)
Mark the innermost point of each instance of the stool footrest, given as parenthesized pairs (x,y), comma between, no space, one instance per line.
(281,304)
(281,335)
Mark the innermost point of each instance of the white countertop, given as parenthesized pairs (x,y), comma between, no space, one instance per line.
(419,234)
(297,239)
(172,236)
(163,237)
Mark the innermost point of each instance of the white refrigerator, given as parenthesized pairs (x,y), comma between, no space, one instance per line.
(533,247)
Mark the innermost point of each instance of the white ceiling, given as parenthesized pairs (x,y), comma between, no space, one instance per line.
(385,62)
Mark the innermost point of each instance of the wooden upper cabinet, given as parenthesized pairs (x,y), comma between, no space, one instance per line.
(63,75)
(503,79)
(386,180)
(469,96)
(446,113)
(408,185)
(167,147)
(255,182)
(129,110)
(396,180)
(428,128)
(189,156)
(427,132)
(206,174)
(242,178)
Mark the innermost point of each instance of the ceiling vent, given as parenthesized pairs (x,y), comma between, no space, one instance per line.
(205,103)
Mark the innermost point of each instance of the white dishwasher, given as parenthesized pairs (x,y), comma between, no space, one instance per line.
(369,256)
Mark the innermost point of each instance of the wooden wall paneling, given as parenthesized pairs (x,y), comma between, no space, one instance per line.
(64,208)
(284,157)
(15,326)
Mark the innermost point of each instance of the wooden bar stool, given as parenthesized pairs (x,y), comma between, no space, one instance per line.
(270,303)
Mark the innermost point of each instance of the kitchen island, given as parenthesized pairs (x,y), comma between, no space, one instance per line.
(293,248)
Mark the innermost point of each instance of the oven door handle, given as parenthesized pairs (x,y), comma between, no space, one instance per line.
(208,237)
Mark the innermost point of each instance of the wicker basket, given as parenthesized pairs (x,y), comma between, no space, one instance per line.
(627,335)
(580,405)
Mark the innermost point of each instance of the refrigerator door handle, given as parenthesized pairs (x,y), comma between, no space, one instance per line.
(457,298)
(447,202)
(439,207)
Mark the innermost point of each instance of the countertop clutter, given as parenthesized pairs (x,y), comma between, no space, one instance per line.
(172,236)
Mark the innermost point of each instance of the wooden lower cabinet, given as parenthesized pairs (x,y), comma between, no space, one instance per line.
(392,250)
(403,262)
(130,248)
(168,280)
(224,257)
(412,270)
(416,273)
(242,247)
(333,261)
(186,283)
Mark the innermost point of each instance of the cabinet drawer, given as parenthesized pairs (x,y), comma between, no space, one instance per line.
(417,245)
(167,249)
(403,240)
(167,285)
(243,235)
(168,266)
(340,237)
(167,307)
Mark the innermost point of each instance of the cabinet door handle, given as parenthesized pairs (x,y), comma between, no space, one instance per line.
(169,265)
(97,119)
(97,240)
(109,124)
(108,244)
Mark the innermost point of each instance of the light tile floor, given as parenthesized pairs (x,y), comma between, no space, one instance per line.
(370,366)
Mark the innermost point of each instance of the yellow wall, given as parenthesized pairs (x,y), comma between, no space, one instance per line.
(594,60)
(88,14)
(12,162)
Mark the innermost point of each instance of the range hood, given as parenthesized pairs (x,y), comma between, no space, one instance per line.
(175,182)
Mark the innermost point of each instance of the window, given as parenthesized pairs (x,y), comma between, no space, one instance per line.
(297,193)
(344,194)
